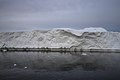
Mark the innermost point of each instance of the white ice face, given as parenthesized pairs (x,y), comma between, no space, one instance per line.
(62,37)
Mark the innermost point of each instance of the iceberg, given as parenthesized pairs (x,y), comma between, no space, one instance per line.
(87,38)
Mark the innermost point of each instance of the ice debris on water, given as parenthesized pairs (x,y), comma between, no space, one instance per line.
(25,67)
(84,54)
(15,64)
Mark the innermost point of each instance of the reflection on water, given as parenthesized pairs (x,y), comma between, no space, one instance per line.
(59,66)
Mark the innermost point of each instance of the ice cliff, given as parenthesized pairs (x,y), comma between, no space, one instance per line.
(62,37)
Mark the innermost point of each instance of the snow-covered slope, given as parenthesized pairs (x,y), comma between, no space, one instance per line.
(62,37)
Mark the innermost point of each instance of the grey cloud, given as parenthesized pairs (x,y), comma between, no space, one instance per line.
(46,14)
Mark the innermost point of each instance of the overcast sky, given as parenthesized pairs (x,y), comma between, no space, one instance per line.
(18,15)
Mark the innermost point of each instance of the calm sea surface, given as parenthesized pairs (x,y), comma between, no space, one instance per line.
(59,66)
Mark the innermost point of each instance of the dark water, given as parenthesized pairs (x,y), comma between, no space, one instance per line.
(59,66)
